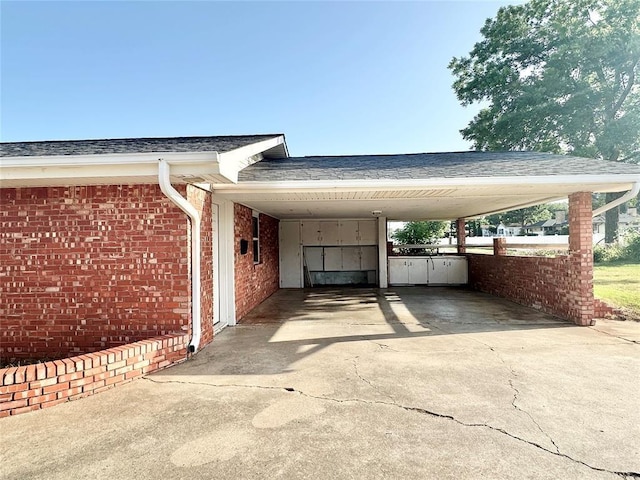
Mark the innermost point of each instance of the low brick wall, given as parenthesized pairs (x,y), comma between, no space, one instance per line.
(553,285)
(604,310)
(42,385)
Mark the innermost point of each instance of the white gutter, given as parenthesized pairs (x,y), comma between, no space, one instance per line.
(618,201)
(434,182)
(164,178)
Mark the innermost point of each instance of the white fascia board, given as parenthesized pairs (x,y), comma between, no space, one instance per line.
(235,160)
(185,166)
(108,159)
(623,181)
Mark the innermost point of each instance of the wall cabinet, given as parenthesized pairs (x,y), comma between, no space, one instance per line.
(339,232)
(439,270)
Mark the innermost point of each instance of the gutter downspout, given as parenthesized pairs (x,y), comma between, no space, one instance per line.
(164,179)
(618,201)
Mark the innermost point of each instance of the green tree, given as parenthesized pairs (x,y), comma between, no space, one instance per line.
(522,216)
(557,76)
(419,233)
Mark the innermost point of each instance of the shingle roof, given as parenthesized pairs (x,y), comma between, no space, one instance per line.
(129,145)
(429,165)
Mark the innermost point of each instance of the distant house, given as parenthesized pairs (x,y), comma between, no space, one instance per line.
(627,222)
(553,226)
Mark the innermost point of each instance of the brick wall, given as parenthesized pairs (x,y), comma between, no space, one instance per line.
(202,200)
(32,387)
(88,268)
(562,286)
(255,282)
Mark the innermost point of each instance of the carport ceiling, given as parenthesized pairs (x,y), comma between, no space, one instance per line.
(420,186)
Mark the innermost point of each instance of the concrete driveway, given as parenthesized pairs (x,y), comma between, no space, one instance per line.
(403,383)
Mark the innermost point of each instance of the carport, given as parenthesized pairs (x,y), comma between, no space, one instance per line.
(330,204)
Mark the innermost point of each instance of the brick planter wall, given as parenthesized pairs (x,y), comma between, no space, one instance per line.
(32,387)
(255,282)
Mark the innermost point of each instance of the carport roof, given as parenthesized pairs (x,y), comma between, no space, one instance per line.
(423,186)
(428,165)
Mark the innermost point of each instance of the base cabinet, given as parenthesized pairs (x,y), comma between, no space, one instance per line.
(440,270)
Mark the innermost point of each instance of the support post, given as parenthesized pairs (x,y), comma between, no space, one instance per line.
(383,279)
(462,235)
(500,246)
(581,258)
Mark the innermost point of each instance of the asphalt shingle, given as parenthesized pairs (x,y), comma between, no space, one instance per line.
(129,145)
(429,165)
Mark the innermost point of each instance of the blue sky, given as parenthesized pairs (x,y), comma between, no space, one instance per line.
(335,77)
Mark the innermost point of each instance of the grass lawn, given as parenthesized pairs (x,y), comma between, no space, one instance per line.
(618,284)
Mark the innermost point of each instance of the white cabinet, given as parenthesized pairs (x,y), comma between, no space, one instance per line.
(398,271)
(343,232)
(310,232)
(439,272)
(290,261)
(448,270)
(368,232)
(458,271)
(369,258)
(329,233)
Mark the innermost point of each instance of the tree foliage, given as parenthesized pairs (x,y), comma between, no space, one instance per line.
(522,216)
(556,76)
(419,233)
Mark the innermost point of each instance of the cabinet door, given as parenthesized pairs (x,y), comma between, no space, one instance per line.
(313,259)
(329,233)
(348,232)
(458,274)
(438,271)
(332,259)
(369,258)
(418,271)
(310,232)
(368,232)
(290,268)
(398,271)
(351,258)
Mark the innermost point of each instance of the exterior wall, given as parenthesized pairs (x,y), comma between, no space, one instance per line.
(88,268)
(562,286)
(32,387)
(255,282)
(201,199)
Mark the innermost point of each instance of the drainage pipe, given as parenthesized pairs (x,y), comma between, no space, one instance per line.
(164,178)
(618,201)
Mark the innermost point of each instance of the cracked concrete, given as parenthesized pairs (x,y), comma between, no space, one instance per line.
(421,383)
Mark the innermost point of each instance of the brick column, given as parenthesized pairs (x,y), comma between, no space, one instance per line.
(462,235)
(499,246)
(580,285)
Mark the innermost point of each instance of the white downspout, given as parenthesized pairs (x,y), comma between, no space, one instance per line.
(164,177)
(618,201)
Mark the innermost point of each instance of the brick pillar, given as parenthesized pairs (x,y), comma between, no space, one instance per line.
(462,235)
(499,246)
(580,287)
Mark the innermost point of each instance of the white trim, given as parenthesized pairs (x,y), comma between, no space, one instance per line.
(226,261)
(233,161)
(174,158)
(433,183)
(218,324)
(383,277)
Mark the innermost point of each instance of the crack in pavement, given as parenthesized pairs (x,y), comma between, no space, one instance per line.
(516,392)
(637,342)
(420,410)
(368,382)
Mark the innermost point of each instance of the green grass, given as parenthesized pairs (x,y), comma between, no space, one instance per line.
(618,284)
